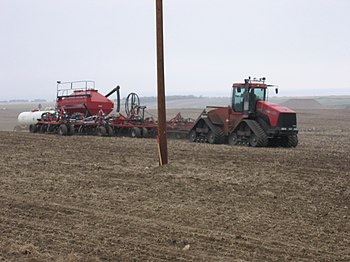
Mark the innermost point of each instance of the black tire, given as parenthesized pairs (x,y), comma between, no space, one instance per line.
(63,130)
(101,131)
(124,131)
(110,131)
(293,141)
(71,130)
(233,139)
(42,129)
(215,135)
(144,132)
(193,135)
(258,137)
(152,132)
(135,132)
(290,141)
(80,130)
(33,129)
(118,131)
(178,136)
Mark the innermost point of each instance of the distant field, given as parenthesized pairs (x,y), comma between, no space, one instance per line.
(334,102)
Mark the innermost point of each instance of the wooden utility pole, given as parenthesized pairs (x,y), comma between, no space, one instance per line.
(162,138)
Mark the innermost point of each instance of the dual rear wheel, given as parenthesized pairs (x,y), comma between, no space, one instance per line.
(104,131)
(137,132)
(63,130)
(66,130)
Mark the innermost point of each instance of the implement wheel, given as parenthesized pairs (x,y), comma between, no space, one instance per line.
(153,132)
(110,131)
(135,132)
(63,130)
(42,129)
(33,128)
(71,130)
(144,132)
(101,131)
(193,135)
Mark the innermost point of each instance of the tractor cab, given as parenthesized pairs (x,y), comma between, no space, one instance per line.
(245,96)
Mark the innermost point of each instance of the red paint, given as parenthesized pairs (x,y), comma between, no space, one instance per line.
(272,111)
(94,101)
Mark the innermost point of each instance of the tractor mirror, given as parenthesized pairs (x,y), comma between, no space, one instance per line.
(238,89)
(276,90)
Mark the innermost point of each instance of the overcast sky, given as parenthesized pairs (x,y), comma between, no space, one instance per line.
(303,46)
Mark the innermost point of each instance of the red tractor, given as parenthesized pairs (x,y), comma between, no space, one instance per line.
(250,120)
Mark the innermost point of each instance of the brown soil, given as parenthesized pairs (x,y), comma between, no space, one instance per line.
(86,198)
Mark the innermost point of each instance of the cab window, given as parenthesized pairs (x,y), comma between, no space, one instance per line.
(237,99)
(259,93)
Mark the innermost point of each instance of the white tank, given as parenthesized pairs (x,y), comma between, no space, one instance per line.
(31,117)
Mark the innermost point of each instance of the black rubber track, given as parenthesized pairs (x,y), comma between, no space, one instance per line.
(261,137)
(292,141)
(216,135)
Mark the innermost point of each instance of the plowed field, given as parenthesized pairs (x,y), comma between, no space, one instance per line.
(85,198)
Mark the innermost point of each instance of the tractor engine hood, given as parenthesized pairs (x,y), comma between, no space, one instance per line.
(275,113)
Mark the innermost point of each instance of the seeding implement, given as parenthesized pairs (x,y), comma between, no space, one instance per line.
(81,109)
(250,120)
